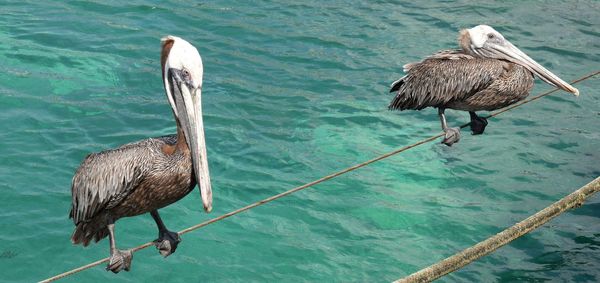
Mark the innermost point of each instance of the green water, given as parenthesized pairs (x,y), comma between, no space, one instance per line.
(292,92)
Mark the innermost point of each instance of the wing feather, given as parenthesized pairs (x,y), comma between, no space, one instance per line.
(443,77)
(104,179)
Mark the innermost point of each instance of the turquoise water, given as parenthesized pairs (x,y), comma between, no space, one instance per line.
(293,92)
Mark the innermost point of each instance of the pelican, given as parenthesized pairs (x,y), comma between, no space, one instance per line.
(487,73)
(147,175)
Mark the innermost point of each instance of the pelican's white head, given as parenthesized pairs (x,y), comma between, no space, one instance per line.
(178,54)
(485,42)
(482,33)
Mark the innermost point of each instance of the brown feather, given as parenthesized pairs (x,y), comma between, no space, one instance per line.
(166,45)
(454,79)
(130,180)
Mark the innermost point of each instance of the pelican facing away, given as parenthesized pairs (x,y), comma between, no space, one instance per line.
(150,174)
(487,73)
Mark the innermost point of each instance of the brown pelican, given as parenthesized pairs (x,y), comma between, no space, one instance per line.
(487,73)
(150,174)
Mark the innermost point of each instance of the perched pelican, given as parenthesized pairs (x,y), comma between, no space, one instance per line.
(150,174)
(487,73)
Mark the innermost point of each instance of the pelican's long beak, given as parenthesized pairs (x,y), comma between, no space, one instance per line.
(189,112)
(510,52)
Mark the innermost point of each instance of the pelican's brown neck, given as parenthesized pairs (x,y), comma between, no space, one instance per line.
(181,144)
(166,46)
(464,40)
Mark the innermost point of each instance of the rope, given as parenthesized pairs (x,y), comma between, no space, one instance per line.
(461,259)
(323,179)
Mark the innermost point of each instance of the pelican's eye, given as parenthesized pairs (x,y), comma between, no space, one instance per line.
(491,36)
(186,75)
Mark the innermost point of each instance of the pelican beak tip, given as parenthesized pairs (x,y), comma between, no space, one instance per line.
(575,92)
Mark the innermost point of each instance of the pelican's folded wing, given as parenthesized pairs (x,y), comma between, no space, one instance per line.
(443,77)
(102,181)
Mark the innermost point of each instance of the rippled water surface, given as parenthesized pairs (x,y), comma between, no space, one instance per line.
(294,91)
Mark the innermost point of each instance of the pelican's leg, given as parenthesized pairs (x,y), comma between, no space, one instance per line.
(167,241)
(477,123)
(452,135)
(119,259)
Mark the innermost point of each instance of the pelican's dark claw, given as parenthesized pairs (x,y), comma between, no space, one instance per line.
(119,260)
(452,135)
(477,124)
(167,243)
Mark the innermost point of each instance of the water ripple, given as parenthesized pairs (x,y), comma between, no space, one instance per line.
(292,92)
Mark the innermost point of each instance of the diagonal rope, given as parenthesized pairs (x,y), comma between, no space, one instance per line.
(307,185)
(483,248)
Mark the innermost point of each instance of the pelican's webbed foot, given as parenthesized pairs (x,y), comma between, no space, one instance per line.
(167,242)
(451,135)
(119,260)
(477,123)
